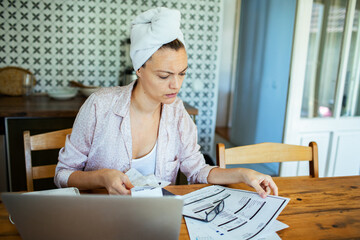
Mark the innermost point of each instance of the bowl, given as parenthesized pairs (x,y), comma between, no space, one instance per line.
(89,90)
(63,93)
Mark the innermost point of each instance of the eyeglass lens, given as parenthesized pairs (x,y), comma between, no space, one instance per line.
(215,211)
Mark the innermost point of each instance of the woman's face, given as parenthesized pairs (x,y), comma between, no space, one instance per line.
(163,74)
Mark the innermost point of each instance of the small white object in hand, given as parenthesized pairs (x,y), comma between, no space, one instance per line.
(138,180)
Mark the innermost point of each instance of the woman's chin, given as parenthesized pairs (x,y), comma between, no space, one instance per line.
(169,100)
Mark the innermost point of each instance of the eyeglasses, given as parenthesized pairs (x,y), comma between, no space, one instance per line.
(197,207)
(215,211)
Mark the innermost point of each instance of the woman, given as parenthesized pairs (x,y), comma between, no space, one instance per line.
(144,125)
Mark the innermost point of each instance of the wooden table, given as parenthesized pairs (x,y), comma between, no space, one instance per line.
(324,208)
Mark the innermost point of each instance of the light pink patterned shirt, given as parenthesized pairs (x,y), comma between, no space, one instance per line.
(101,138)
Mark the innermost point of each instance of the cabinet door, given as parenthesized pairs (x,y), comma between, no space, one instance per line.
(14,128)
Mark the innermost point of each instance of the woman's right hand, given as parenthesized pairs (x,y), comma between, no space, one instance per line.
(116,182)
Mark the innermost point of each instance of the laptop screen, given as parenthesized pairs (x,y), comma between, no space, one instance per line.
(94,216)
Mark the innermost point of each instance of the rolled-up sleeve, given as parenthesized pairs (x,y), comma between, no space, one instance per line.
(73,156)
(192,162)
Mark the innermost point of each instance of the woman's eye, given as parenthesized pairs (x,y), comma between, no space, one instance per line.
(182,74)
(163,77)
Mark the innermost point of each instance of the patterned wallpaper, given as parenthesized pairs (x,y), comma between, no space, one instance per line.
(85,40)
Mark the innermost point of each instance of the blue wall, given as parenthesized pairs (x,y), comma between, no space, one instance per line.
(265,44)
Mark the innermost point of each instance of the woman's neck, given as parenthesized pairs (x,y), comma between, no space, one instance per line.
(141,103)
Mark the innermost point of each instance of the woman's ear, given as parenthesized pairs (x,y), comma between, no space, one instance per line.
(138,73)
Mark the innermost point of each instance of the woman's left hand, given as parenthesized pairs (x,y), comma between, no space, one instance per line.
(262,183)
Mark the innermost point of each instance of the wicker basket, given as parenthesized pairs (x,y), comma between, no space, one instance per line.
(11,80)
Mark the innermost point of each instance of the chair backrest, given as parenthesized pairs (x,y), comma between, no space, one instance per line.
(268,153)
(44,141)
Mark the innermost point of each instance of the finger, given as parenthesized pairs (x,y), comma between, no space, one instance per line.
(266,187)
(268,190)
(269,182)
(121,189)
(126,182)
(113,192)
(118,189)
(259,190)
(274,187)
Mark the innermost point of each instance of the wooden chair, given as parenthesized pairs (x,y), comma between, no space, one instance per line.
(268,153)
(45,141)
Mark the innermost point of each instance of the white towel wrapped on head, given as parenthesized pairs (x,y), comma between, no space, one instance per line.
(152,29)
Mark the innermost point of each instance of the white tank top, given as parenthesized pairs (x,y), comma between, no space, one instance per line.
(146,164)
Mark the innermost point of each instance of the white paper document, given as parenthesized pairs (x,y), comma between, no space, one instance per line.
(245,216)
(146,192)
(145,186)
(138,180)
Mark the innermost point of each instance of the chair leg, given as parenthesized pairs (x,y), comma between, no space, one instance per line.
(28,163)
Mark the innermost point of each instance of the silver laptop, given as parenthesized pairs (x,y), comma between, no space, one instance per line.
(94,216)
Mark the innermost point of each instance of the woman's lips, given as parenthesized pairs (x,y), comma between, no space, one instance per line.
(172,95)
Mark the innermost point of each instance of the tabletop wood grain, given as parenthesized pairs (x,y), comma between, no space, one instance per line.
(323,208)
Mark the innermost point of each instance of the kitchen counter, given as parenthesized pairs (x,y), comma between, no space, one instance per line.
(39,106)
(44,106)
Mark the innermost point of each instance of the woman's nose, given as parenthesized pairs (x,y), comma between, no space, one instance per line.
(175,82)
